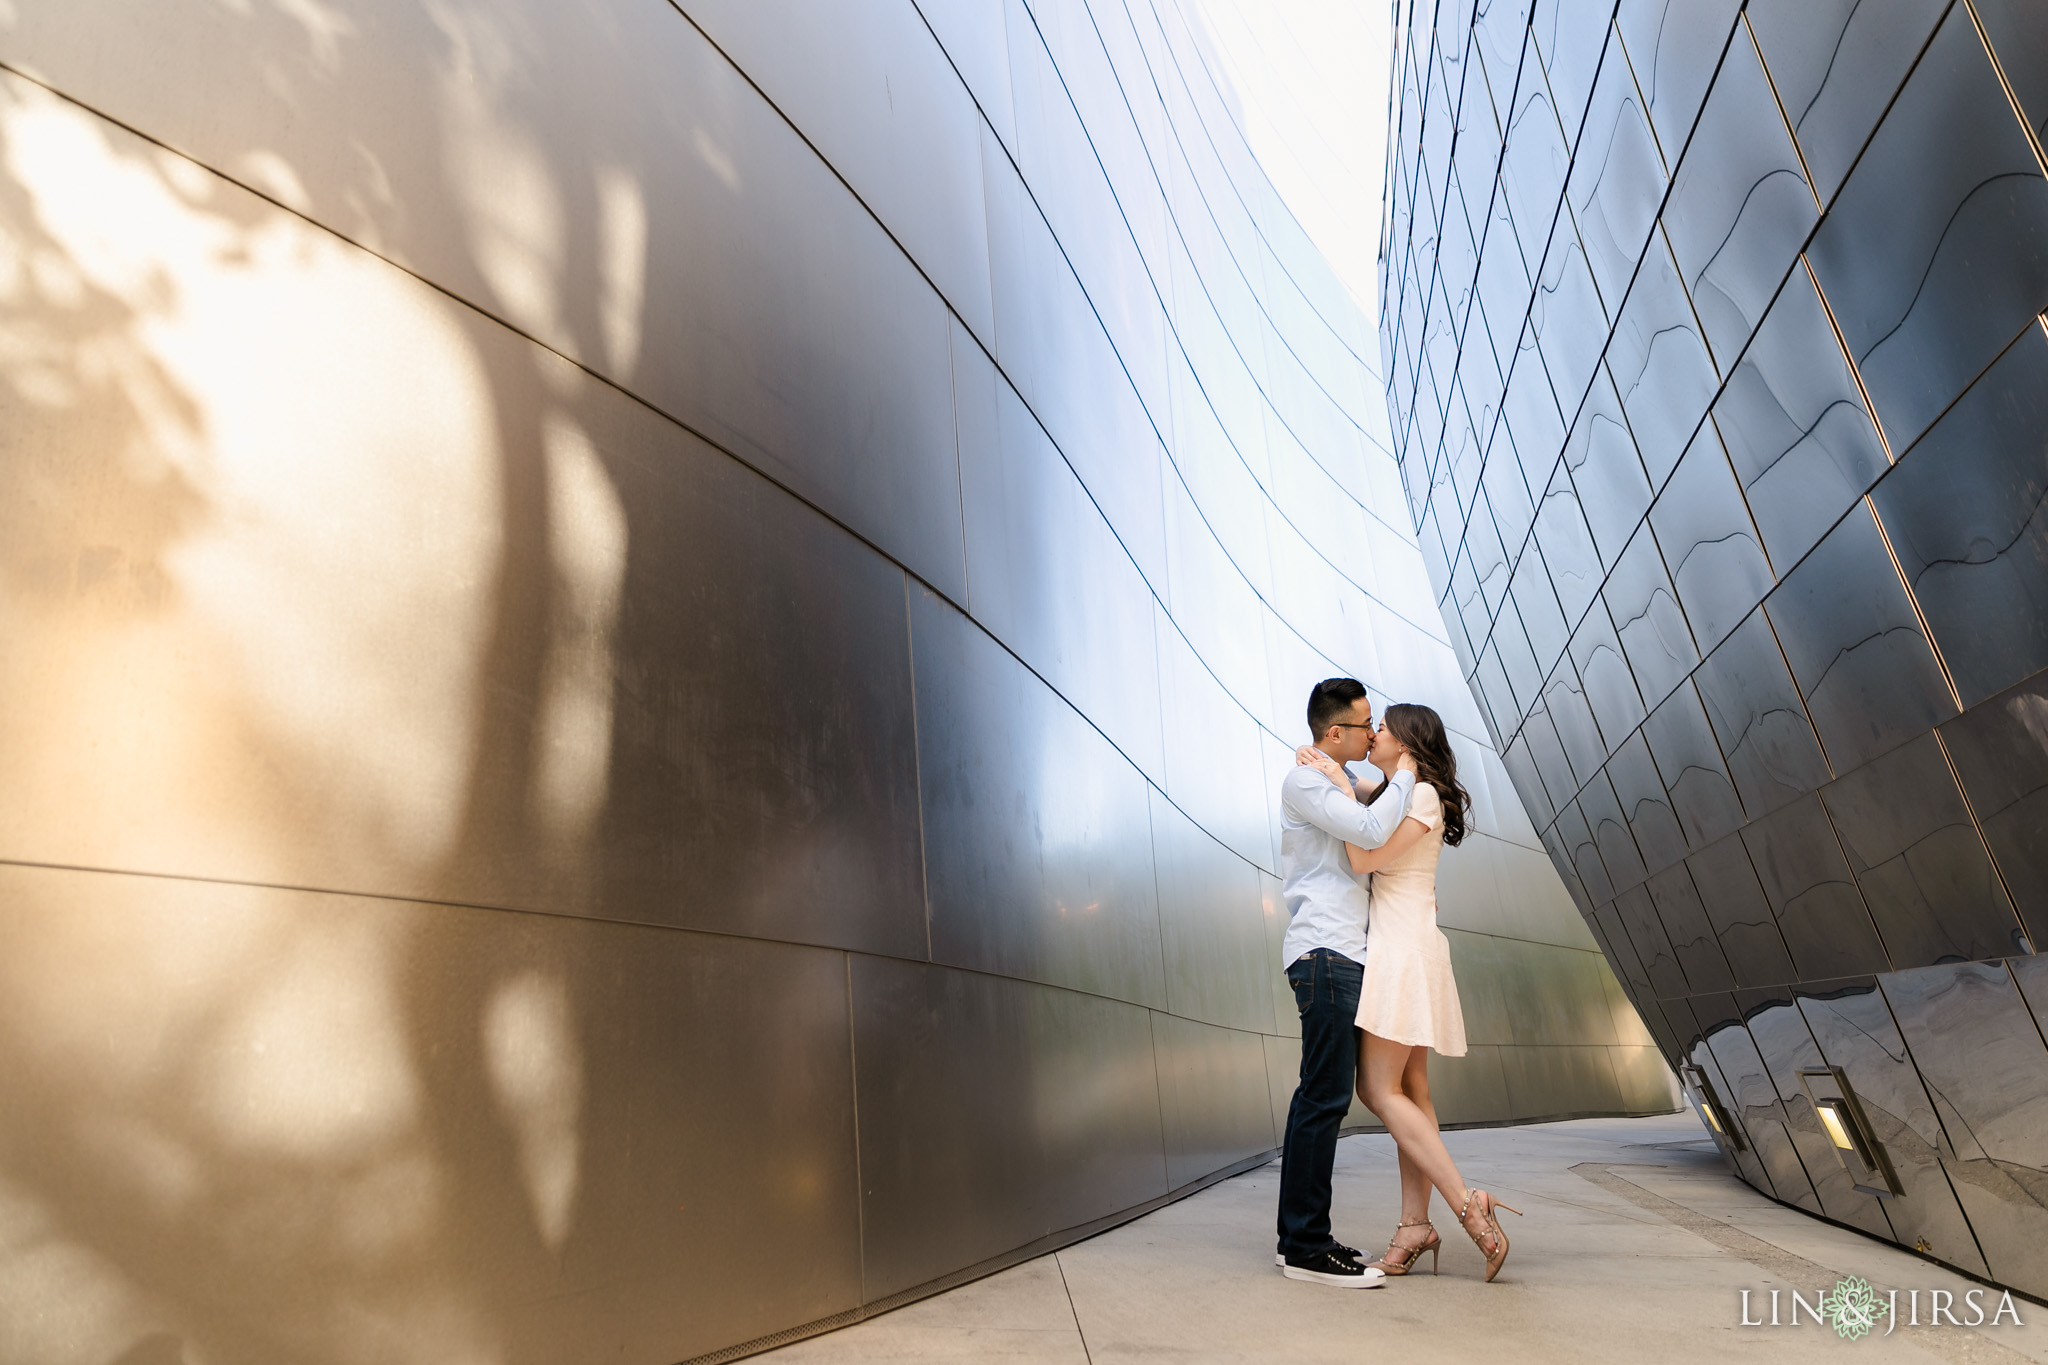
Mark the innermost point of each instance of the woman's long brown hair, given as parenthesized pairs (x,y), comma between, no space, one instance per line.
(1421,732)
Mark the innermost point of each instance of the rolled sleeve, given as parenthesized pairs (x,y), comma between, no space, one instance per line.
(1342,817)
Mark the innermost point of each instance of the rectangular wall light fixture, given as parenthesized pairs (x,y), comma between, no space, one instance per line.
(1862,1156)
(1718,1118)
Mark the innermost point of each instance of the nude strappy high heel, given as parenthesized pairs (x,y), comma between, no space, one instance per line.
(1491,1222)
(1413,1253)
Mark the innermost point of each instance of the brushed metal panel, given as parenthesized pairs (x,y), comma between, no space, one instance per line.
(1684,917)
(1571,39)
(1638,916)
(1468,885)
(1534,166)
(1054,349)
(1646,1083)
(1567,319)
(1787,1048)
(1283,1073)
(1923,869)
(1986,1069)
(1740,206)
(975,39)
(2019,40)
(1217,477)
(1796,431)
(1564,697)
(1726,878)
(1560,1082)
(1855,644)
(1568,553)
(1049,576)
(1611,689)
(1212,926)
(1748,1163)
(1064,165)
(913,155)
(1215,763)
(1575,839)
(738,804)
(1217,608)
(1552,996)
(1533,902)
(628,129)
(1478,966)
(1617,180)
(1836,65)
(259,1119)
(992,1113)
(519,640)
(1215,1105)
(1606,929)
(1618,852)
(1606,470)
(1681,740)
(1812,892)
(1760,719)
(1038,844)
(1929,288)
(1471,1089)
(1535,600)
(1960,512)
(1674,49)
(1709,542)
(1644,608)
(2001,755)
(1856,1032)
(1631,1028)
(1646,805)
(1752,1093)
(1273,918)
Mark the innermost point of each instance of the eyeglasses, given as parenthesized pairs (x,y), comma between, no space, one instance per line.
(1352,725)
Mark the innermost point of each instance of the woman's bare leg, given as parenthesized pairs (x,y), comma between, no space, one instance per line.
(1413,1127)
(1415,1188)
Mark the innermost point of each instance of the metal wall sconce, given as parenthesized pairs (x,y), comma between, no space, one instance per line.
(1855,1144)
(1711,1109)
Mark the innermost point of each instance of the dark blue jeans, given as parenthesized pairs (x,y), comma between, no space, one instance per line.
(1326,992)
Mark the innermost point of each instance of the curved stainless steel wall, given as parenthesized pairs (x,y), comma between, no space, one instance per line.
(646,654)
(1717,366)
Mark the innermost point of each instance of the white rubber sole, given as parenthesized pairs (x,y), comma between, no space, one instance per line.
(1371,1279)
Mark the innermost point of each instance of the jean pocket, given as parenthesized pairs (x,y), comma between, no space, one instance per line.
(1304,989)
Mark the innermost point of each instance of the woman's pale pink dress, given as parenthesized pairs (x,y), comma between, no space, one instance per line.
(1408,995)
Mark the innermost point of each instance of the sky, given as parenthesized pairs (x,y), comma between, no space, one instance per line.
(1311,82)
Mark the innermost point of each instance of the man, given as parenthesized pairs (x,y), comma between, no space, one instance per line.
(1325,952)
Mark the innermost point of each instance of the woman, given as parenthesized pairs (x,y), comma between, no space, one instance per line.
(1409,1001)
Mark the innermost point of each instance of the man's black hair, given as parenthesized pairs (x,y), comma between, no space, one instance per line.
(1330,701)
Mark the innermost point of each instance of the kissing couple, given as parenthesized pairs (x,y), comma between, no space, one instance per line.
(1371,974)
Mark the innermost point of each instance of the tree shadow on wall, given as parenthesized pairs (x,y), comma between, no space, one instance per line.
(313,584)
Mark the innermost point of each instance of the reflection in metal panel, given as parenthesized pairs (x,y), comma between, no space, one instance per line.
(647,646)
(1794,752)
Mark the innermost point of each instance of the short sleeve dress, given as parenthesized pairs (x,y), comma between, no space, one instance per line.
(1408,994)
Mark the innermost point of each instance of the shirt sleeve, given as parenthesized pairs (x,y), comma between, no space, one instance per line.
(1427,807)
(1319,803)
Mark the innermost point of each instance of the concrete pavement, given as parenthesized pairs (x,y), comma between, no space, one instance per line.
(1636,1246)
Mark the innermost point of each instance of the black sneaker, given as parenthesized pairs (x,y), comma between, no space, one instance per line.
(1336,1248)
(1327,1267)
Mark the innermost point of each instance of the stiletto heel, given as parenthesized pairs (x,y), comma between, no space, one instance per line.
(1490,1221)
(1407,1263)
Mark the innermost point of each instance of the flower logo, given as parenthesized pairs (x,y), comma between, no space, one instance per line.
(1853,1308)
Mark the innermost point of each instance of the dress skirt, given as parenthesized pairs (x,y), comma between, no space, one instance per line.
(1408,994)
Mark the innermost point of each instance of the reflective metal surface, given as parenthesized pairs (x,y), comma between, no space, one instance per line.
(757,570)
(1780,719)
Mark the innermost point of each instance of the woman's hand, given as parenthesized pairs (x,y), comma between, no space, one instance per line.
(1329,767)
